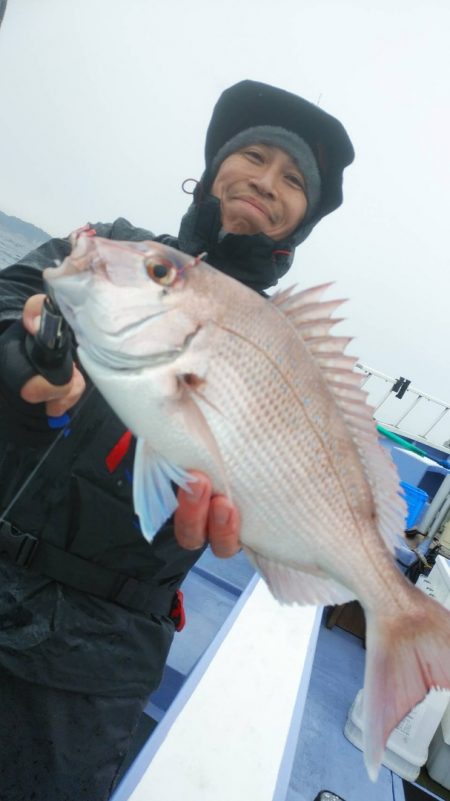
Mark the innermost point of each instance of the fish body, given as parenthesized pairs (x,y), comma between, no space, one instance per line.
(259,395)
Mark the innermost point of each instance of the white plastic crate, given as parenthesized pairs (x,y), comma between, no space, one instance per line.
(407,747)
(439,579)
(438,765)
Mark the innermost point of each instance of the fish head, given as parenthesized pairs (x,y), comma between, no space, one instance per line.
(130,301)
(145,317)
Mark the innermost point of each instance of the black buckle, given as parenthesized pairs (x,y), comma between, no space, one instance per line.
(18,545)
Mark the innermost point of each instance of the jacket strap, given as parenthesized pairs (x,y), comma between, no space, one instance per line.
(81,574)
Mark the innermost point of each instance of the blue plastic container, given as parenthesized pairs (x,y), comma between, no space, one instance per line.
(416,500)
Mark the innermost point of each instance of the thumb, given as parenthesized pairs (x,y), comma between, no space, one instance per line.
(31,315)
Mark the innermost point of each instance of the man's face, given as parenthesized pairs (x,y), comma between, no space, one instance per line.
(261,190)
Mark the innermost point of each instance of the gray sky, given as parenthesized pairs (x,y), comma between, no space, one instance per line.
(104,106)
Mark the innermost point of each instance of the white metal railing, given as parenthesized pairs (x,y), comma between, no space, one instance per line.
(411,400)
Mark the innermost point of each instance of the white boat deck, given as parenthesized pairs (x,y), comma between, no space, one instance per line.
(225,735)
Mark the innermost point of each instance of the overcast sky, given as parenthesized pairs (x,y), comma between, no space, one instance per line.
(104,106)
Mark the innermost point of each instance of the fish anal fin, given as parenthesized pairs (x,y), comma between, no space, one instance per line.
(307,585)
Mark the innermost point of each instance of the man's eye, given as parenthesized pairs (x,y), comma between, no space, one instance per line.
(295,180)
(254,154)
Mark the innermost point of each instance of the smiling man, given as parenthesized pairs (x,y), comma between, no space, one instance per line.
(274,168)
(261,190)
(89,607)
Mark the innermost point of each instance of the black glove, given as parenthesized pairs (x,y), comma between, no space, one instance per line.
(15,371)
(15,366)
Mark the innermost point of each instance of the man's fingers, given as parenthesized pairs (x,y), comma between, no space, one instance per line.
(223,527)
(191,516)
(55,408)
(32,312)
(58,399)
(39,390)
(200,519)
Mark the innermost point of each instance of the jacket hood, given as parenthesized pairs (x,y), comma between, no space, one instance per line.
(257,260)
(250,103)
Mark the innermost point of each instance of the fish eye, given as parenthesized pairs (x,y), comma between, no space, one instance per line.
(161,271)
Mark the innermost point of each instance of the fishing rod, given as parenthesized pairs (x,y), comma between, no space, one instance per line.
(61,434)
(50,350)
(50,354)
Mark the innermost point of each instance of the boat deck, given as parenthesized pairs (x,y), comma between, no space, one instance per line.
(321,758)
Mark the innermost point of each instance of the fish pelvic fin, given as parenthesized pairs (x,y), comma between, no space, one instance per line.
(407,655)
(305,586)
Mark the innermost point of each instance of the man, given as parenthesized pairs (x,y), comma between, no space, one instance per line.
(87,606)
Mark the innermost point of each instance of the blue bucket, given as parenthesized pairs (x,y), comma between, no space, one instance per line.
(416,500)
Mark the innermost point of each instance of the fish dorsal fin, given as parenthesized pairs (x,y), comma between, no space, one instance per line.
(289,298)
(311,318)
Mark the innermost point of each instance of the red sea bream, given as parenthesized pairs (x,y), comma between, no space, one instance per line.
(260,395)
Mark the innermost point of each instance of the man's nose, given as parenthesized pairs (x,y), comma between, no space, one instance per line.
(265,182)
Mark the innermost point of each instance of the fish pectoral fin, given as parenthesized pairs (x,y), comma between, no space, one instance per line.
(305,586)
(198,426)
(153,494)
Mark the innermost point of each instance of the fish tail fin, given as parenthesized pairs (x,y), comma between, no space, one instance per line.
(407,655)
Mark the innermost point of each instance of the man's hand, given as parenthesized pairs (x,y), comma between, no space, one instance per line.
(202,519)
(37,390)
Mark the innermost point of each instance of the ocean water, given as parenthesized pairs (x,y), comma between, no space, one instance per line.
(14,245)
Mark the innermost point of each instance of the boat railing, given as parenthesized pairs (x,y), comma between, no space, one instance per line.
(419,416)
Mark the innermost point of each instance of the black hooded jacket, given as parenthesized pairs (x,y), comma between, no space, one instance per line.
(77,503)
(50,632)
